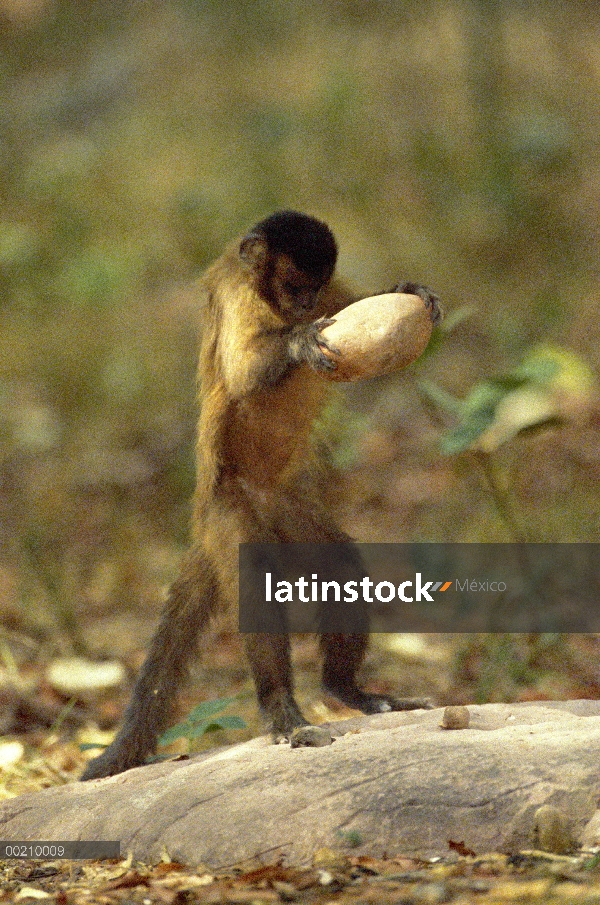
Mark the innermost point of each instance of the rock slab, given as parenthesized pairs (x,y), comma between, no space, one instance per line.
(398,781)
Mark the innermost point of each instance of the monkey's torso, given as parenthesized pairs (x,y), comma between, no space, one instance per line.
(265,408)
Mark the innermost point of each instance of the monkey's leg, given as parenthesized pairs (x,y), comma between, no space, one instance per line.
(269,657)
(192,601)
(343,657)
(243,517)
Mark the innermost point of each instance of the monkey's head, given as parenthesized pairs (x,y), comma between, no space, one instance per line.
(292,257)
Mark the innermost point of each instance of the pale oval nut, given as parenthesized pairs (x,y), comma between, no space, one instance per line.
(455,718)
(376,336)
(310,737)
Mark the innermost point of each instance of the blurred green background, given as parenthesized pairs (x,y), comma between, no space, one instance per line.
(454,142)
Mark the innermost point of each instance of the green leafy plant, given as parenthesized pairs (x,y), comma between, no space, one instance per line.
(351,838)
(200,720)
(203,719)
(551,384)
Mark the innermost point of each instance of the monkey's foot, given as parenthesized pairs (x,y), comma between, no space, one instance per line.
(382,703)
(283,715)
(354,697)
(432,302)
(109,763)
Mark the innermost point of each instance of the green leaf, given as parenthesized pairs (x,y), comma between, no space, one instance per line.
(464,436)
(456,317)
(537,369)
(208,708)
(523,408)
(478,411)
(564,372)
(484,397)
(231,722)
(441,398)
(550,383)
(180,730)
(221,722)
(202,719)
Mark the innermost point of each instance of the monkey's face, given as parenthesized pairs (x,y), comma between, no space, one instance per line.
(292,257)
(295,294)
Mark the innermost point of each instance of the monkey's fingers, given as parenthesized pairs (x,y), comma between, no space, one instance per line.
(323,322)
(322,362)
(323,353)
(326,358)
(431,300)
(323,344)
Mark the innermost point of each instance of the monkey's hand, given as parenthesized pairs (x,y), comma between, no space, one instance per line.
(307,345)
(432,302)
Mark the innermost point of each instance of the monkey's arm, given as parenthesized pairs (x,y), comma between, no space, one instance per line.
(264,357)
(265,349)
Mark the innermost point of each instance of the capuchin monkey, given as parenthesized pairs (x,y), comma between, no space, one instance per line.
(268,297)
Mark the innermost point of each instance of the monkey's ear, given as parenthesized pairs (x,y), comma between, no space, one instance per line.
(254,250)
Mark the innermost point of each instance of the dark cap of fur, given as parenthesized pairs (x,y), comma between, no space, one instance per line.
(307,241)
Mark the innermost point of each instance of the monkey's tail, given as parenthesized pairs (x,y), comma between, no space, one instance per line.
(193,600)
